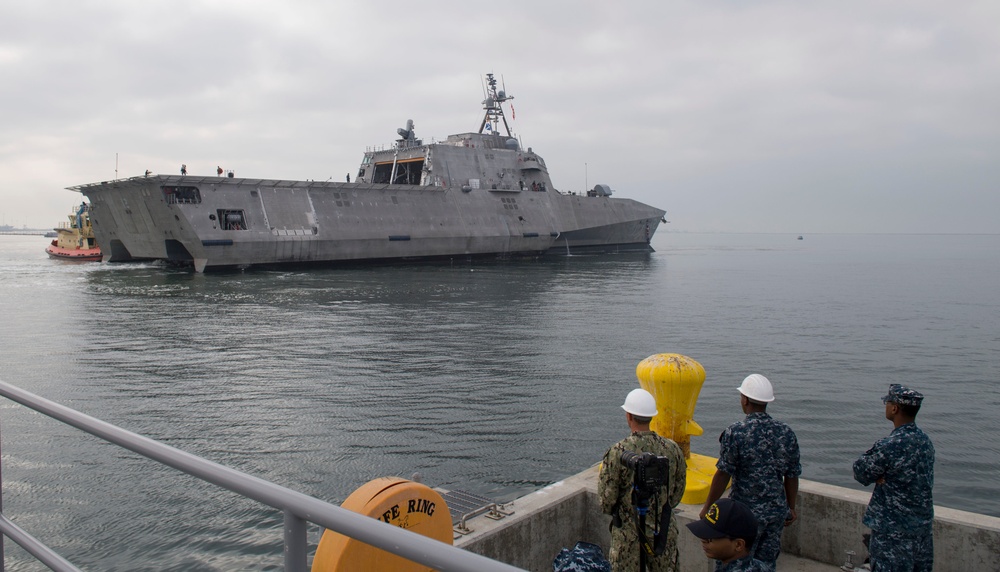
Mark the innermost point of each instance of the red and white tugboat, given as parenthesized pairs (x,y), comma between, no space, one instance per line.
(75,239)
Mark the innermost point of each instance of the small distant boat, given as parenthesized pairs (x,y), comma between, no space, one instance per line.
(75,239)
(800,237)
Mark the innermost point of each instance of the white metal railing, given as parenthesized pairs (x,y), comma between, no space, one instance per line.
(298,508)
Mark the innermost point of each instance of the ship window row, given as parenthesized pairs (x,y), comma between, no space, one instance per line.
(344,202)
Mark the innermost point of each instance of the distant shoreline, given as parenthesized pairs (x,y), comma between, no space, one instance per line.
(25,231)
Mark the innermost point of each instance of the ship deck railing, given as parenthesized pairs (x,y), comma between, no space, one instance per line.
(248,182)
(298,509)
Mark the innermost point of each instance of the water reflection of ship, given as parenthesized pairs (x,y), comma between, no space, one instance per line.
(74,240)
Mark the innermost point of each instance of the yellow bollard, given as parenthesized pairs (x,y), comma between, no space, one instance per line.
(675,382)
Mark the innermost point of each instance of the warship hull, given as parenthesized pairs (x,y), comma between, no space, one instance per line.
(217,222)
(473,194)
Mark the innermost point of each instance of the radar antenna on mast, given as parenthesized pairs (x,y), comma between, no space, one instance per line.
(494,111)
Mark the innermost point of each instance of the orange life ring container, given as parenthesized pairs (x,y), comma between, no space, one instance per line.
(406,504)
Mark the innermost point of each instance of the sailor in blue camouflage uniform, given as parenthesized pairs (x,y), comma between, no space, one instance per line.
(901,510)
(761,456)
(615,487)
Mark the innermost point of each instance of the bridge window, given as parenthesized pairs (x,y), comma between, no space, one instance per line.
(408,172)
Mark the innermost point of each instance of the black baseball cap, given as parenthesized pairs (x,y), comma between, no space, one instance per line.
(726,518)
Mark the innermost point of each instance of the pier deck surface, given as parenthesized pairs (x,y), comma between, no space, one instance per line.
(789,563)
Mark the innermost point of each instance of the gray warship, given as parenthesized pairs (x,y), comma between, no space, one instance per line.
(472,195)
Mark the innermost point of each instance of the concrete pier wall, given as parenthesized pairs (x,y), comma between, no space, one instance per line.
(556,517)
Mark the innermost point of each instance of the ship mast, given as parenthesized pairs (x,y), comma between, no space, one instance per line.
(492,104)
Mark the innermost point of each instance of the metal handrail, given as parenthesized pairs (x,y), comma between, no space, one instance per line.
(33,546)
(298,508)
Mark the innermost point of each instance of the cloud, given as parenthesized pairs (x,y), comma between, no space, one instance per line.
(757,116)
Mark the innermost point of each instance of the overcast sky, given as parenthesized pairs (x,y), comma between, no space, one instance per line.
(769,116)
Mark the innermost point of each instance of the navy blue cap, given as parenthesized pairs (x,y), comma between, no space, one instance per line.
(726,518)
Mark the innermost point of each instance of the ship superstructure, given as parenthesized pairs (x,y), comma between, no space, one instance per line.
(471,195)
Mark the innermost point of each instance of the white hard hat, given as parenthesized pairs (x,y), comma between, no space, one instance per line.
(757,388)
(640,403)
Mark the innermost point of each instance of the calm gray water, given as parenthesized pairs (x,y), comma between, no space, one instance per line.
(493,378)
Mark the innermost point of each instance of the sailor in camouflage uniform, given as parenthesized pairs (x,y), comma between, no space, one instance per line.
(615,487)
(761,455)
(901,510)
